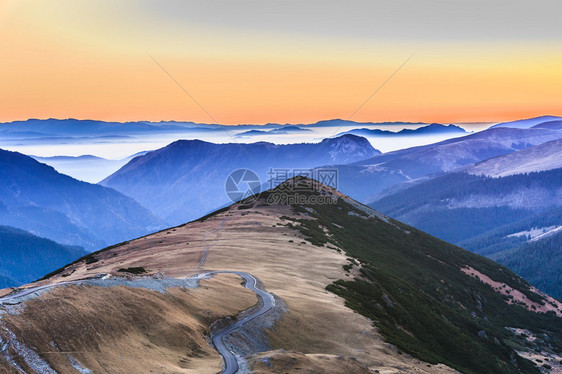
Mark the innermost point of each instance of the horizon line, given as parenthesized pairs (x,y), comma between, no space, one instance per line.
(276,123)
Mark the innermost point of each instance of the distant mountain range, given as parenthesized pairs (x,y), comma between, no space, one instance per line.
(48,128)
(553,125)
(277,130)
(366,180)
(36,198)
(504,207)
(86,168)
(25,257)
(424,130)
(186,179)
(478,191)
(345,123)
(528,123)
(75,127)
(36,128)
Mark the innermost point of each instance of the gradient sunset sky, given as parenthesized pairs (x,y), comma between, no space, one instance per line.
(280,61)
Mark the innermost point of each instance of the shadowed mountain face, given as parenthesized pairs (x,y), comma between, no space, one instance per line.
(6,282)
(25,257)
(537,258)
(453,206)
(367,179)
(35,198)
(542,157)
(505,207)
(553,125)
(186,179)
(349,281)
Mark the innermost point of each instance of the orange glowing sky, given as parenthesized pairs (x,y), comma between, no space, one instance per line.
(285,62)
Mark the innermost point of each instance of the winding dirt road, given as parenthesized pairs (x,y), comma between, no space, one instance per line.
(231,363)
(267,301)
(231,360)
(18,297)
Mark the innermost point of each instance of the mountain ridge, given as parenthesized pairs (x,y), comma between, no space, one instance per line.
(527,123)
(433,128)
(26,257)
(368,179)
(429,299)
(179,169)
(36,198)
(542,157)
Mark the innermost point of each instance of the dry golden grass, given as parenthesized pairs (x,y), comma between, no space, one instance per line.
(283,362)
(250,240)
(129,330)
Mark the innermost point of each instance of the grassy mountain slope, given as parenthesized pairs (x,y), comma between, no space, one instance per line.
(324,257)
(411,285)
(486,215)
(128,329)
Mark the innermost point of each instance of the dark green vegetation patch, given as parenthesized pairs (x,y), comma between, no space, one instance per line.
(133,270)
(412,287)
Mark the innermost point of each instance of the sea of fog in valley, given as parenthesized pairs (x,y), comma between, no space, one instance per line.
(113,151)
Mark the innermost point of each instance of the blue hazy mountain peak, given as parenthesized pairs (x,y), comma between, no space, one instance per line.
(169,180)
(434,128)
(36,198)
(527,123)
